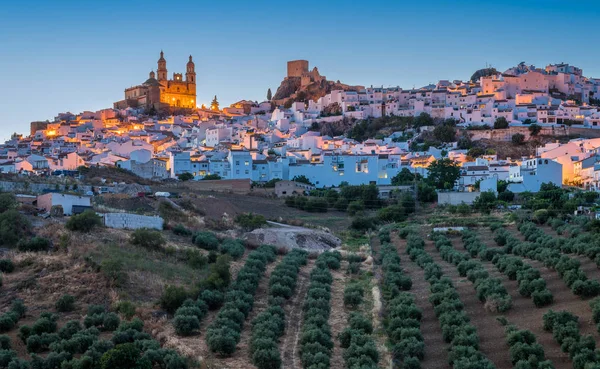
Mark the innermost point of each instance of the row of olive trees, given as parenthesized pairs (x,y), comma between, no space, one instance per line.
(524,350)
(545,248)
(316,344)
(565,330)
(402,314)
(462,336)
(531,283)
(489,290)
(224,332)
(76,345)
(269,325)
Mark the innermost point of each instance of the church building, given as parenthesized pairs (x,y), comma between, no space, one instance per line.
(162,92)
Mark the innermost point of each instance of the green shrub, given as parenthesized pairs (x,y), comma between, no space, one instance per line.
(147,238)
(84,222)
(355,207)
(250,222)
(34,244)
(363,223)
(186,325)
(4,342)
(206,240)
(196,259)
(181,230)
(14,227)
(126,308)
(172,298)
(65,303)
(6,266)
(212,298)
(353,295)
(233,248)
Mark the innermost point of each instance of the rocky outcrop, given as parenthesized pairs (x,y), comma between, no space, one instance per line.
(293,237)
(287,88)
(292,88)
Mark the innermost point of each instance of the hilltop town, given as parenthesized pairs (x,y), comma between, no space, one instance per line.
(328,226)
(492,126)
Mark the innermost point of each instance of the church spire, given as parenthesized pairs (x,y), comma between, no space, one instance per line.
(162,67)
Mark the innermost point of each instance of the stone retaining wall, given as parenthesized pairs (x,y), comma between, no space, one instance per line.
(132,221)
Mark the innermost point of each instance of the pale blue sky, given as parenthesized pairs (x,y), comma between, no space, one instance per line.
(76,55)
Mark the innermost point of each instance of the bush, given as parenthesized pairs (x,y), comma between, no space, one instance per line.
(353,295)
(180,230)
(172,298)
(363,223)
(147,238)
(212,298)
(6,266)
(4,342)
(65,303)
(186,325)
(34,244)
(250,222)
(206,240)
(233,248)
(392,213)
(126,308)
(14,226)
(84,222)
(355,207)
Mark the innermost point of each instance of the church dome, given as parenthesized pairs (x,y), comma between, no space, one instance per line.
(151,82)
(190,62)
(162,57)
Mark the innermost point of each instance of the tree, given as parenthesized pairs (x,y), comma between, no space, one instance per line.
(423,120)
(403,177)
(65,303)
(214,105)
(14,226)
(444,133)
(534,129)
(518,139)
(485,202)
(443,173)
(7,202)
(500,123)
(185,176)
(123,356)
(302,179)
(211,177)
(269,95)
(172,298)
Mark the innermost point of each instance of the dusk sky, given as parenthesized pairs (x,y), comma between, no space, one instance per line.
(61,56)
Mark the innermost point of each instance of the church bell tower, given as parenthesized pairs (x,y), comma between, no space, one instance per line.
(162,67)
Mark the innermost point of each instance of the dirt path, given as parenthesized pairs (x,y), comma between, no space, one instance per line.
(435,348)
(289,348)
(379,335)
(338,319)
(524,314)
(492,339)
(241,357)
